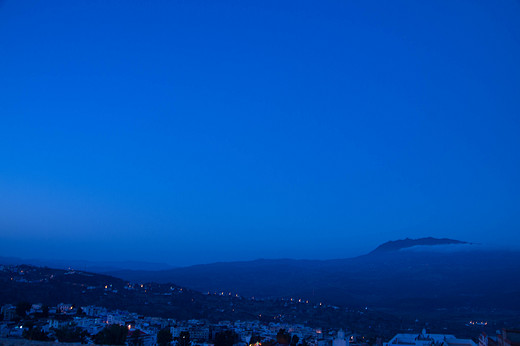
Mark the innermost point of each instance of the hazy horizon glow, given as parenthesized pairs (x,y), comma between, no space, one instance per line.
(192,132)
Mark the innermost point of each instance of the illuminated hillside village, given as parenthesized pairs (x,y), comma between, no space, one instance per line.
(22,321)
(89,324)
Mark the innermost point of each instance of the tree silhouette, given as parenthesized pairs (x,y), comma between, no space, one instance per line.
(164,337)
(113,334)
(35,334)
(283,337)
(136,338)
(255,338)
(71,334)
(45,311)
(226,338)
(22,308)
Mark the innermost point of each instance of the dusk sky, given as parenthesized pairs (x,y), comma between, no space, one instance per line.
(197,131)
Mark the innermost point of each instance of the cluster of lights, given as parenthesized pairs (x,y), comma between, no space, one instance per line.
(279,316)
(222,293)
(478,323)
(299,300)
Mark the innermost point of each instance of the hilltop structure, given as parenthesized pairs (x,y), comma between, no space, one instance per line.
(425,339)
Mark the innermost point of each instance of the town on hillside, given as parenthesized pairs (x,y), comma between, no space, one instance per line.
(96,323)
(66,323)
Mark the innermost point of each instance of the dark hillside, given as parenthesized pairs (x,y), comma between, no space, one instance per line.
(387,277)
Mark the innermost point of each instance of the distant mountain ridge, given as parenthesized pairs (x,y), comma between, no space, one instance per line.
(385,277)
(397,245)
(116,266)
(91,266)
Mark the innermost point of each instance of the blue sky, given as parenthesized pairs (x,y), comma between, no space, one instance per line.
(199,131)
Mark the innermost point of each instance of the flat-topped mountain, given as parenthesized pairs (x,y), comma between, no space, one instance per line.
(397,245)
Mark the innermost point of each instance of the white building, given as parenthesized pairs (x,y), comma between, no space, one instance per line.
(425,339)
(340,339)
